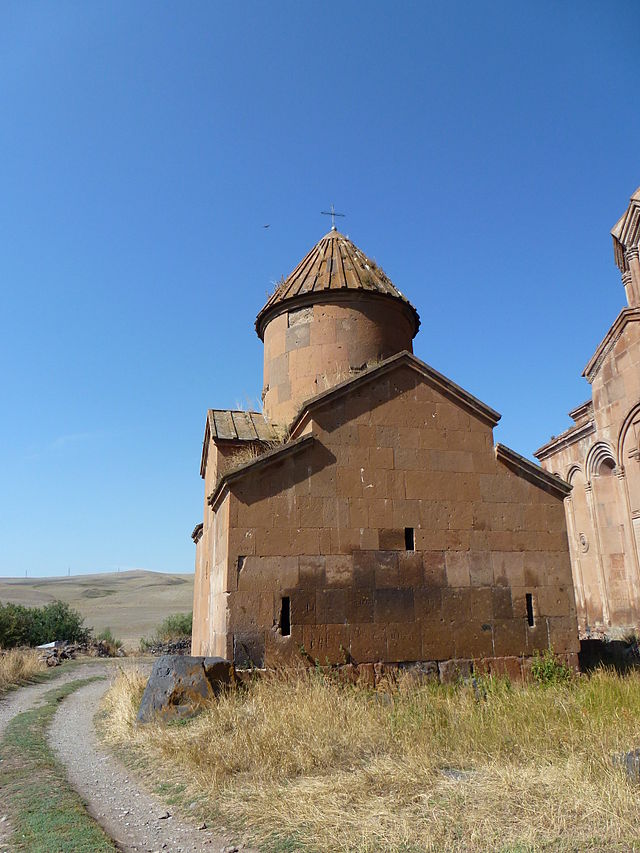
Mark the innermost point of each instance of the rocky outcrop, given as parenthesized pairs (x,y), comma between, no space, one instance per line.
(179,686)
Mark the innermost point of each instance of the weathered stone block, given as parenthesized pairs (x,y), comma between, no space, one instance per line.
(360,606)
(508,637)
(404,641)
(453,671)
(502,604)
(303,606)
(393,605)
(506,667)
(410,569)
(331,606)
(368,642)
(179,685)
(427,602)
(433,564)
(386,569)
(391,539)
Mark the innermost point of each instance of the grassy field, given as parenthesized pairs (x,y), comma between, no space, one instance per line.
(300,762)
(132,604)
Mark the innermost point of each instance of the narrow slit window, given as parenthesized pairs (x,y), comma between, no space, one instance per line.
(285,616)
(530,620)
(409,539)
(240,566)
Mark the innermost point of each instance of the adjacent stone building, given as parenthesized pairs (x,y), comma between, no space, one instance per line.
(367,515)
(600,457)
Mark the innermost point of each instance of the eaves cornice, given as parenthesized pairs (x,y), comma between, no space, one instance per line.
(565,439)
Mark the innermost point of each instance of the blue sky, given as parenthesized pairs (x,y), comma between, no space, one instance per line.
(481,152)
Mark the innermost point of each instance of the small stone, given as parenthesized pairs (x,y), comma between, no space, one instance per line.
(203,825)
(164,816)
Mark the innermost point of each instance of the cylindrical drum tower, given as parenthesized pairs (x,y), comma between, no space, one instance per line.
(334,315)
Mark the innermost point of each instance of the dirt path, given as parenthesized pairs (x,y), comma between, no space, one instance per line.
(17,701)
(23,699)
(134,818)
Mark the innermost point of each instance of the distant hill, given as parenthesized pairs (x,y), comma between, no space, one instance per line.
(132,603)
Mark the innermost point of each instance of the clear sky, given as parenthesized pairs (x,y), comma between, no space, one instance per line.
(482,151)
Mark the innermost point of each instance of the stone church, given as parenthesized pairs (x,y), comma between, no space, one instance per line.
(600,457)
(367,515)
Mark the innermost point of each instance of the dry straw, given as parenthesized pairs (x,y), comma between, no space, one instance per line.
(300,759)
(18,666)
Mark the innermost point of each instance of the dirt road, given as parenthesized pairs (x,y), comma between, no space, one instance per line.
(136,819)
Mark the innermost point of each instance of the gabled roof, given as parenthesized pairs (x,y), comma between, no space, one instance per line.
(627,315)
(335,266)
(271,457)
(532,472)
(234,426)
(437,380)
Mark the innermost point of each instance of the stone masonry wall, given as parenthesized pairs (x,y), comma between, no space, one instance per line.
(329,530)
(311,348)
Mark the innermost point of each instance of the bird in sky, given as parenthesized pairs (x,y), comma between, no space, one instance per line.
(266,226)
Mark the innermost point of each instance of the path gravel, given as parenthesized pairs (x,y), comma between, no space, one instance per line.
(134,818)
(23,699)
(17,701)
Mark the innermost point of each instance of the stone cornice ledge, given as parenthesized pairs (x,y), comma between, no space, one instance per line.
(532,472)
(565,439)
(263,461)
(197,532)
(627,315)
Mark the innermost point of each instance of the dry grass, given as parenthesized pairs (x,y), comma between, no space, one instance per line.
(300,760)
(18,666)
(252,451)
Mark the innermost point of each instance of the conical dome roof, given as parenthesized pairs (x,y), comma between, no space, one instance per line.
(334,267)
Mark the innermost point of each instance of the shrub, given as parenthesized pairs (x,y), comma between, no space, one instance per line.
(174,627)
(33,626)
(112,644)
(548,669)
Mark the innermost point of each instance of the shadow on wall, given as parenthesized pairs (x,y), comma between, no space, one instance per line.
(279,475)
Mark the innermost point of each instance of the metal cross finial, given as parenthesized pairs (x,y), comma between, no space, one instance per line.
(332,213)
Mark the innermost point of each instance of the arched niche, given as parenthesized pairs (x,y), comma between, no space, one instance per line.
(610,514)
(584,552)
(630,456)
(629,452)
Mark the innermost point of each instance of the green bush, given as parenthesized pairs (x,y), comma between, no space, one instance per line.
(174,627)
(548,669)
(106,636)
(33,626)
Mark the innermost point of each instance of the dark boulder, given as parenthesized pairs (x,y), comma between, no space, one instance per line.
(630,762)
(179,685)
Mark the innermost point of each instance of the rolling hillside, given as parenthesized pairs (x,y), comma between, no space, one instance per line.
(132,603)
